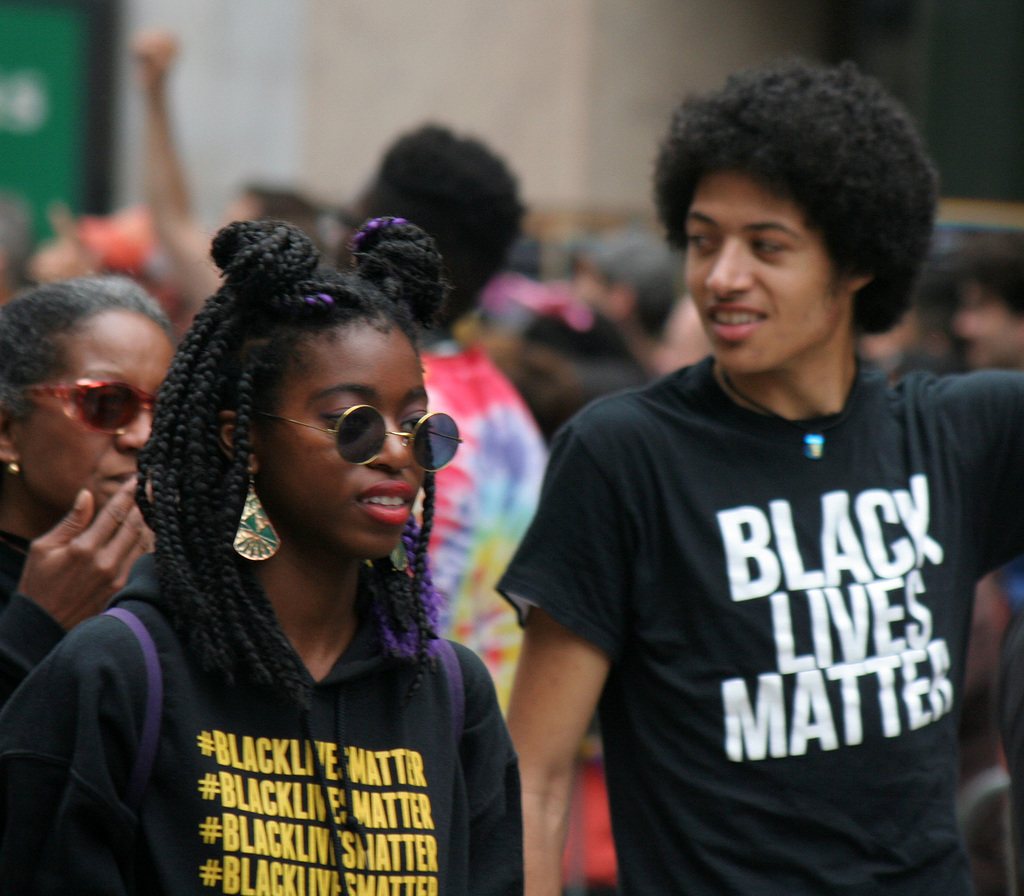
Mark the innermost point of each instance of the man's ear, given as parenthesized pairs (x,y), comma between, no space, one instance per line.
(856,282)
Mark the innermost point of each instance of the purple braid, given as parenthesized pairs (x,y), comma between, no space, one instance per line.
(407,643)
(370,226)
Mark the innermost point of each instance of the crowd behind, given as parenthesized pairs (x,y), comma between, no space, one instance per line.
(519,349)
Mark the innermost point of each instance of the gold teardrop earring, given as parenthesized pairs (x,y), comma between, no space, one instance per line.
(255,538)
(14,468)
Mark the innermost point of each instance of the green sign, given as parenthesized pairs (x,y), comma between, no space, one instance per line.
(48,105)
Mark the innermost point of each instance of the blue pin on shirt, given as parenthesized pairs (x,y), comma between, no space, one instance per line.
(814,445)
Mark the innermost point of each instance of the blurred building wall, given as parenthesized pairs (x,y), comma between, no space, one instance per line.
(575,93)
(238,95)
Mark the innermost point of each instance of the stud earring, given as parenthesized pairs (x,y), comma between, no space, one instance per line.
(255,538)
(14,468)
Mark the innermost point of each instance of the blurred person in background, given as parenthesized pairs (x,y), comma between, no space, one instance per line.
(183,240)
(990,315)
(562,361)
(631,277)
(123,242)
(924,339)
(465,196)
(80,364)
(684,341)
(561,353)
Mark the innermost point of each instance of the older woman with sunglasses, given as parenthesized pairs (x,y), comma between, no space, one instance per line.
(314,735)
(80,363)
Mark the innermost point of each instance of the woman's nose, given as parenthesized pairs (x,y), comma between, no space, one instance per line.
(396,452)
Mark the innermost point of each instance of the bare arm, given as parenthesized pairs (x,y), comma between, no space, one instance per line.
(167,195)
(558,681)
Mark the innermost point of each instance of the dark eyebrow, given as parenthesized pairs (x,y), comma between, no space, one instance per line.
(759,227)
(366,394)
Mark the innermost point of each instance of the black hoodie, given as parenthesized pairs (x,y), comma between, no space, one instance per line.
(27,631)
(237,800)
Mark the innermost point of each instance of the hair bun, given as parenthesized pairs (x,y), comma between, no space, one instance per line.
(264,261)
(403,261)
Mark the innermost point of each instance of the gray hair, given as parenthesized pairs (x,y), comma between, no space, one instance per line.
(646,264)
(31,326)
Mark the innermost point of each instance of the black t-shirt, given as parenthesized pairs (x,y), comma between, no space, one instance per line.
(787,635)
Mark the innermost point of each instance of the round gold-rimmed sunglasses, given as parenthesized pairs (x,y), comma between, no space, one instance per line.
(360,433)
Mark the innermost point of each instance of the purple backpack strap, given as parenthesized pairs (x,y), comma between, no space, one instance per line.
(154,707)
(455,685)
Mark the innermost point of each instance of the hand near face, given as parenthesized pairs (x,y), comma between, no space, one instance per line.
(73,570)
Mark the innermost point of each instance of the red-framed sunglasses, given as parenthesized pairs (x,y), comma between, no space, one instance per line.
(105,406)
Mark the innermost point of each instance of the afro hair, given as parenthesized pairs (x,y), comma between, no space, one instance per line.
(459,192)
(832,140)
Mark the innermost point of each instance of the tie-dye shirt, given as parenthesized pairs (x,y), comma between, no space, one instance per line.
(485,500)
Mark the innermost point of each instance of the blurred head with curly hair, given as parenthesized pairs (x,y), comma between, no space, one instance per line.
(988,272)
(461,193)
(833,142)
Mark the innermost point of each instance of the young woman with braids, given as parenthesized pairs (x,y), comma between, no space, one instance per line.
(315,736)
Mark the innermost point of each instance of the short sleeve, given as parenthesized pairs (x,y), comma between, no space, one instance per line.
(984,413)
(574,560)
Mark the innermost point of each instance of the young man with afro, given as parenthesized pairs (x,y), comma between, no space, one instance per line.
(761,567)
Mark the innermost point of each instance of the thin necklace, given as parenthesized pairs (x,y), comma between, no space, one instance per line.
(814,436)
